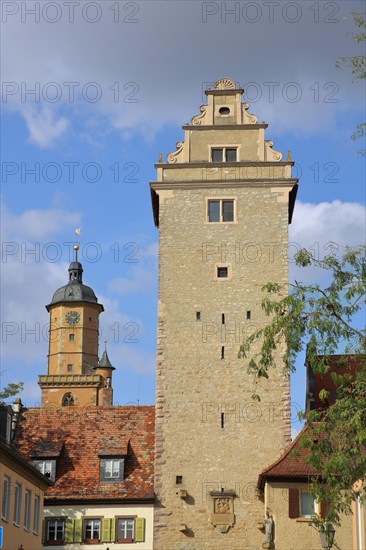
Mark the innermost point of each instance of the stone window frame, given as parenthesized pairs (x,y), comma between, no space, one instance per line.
(56,519)
(27,508)
(17,503)
(229,271)
(236,146)
(222,198)
(68,399)
(5,505)
(36,514)
(316,504)
(119,518)
(92,518)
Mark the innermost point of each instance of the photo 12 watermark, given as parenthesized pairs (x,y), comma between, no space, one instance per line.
(69,92)
(31,12)
(69,172)
(290,92)
(270,12)
(53,252)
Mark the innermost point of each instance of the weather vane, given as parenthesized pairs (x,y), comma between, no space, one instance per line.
(76,246)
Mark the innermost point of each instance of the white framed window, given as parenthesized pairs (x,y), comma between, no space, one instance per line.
(224,154)
(91,530)
(55,530)
(46,467)
(36,515)
(27,509)
(308,504)
(125,529)
(6,498)
(111,469)
(17,502)
(220,210)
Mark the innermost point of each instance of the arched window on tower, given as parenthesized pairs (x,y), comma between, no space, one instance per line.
(68,400)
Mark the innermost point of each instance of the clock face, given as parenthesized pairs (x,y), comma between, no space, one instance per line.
(72,317)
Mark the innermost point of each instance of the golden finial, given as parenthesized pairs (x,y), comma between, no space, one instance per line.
(76,246)
(288,155)
(160,158)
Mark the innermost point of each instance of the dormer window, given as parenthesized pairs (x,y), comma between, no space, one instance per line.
(46,467)
(224,154)
(111,470)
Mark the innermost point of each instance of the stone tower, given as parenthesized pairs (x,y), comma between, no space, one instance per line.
(222,202)
(75,375)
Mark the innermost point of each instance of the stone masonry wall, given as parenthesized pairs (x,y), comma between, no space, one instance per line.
(197,390)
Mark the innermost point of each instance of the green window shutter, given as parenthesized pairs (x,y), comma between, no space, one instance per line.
(44,531)
(106,530)
(113,529)
(69,530)
(78,530)
(140,530)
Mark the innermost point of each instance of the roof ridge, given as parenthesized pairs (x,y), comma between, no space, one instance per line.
(287,451)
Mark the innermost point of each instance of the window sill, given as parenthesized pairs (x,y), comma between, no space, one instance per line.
(125,540)
(4,519)
(16,524)
(113,480)
(304,519)
(54,542)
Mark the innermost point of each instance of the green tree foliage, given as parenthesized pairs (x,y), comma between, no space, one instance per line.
(357,64)
(9,391)
(323,321)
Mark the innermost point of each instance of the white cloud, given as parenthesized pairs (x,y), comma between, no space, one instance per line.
(324,228)
(44,125)
(37,224)
(28,283)
(157,82)
(30,276)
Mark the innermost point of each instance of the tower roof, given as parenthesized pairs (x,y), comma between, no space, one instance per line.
(75,290)
(105,363)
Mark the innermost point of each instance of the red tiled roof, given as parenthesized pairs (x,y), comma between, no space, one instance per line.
(291,464)
(83,435)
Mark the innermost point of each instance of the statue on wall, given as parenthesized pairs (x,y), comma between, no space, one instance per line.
(268,531)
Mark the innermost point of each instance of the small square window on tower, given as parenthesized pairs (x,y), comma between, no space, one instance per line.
(222,272)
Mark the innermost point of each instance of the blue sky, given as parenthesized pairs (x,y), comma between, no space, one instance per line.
(114,82)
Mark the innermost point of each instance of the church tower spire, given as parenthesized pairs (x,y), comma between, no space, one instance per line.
(74,375)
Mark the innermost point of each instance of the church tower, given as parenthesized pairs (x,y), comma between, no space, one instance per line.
(75,375)
(222,202)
